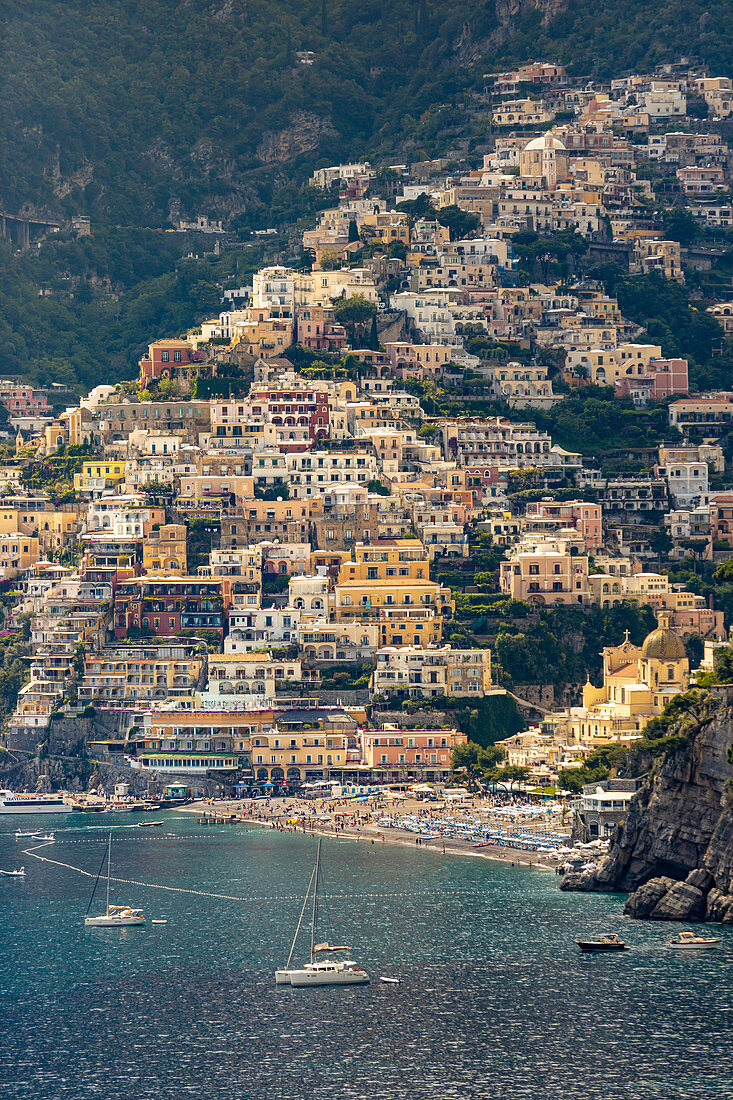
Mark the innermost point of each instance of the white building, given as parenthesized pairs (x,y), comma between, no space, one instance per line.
(687,482)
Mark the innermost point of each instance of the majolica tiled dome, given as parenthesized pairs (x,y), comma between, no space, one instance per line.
(663,645)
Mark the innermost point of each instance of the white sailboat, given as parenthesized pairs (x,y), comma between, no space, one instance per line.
(329,964)
(115,916)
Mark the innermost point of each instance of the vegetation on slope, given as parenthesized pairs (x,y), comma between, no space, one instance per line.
(130,110)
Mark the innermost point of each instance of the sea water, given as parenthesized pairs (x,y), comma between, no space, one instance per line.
(496,1000)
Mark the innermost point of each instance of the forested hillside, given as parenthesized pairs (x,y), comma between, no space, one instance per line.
(134,111)
(82,312)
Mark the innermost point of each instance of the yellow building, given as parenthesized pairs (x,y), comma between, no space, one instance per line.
(295,754)
(389,583)
(544,159)
(522,112)
(142,672)
(98,474)
(658,255)
(34,516)
(638,681)
(388,227)
(17,553)
(164,551)
(606,366)
(262,335)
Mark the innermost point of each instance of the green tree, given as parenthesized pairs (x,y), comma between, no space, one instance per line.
(680,225)
(511,774)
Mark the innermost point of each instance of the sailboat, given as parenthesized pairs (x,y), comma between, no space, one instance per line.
(115,916)
(329,964)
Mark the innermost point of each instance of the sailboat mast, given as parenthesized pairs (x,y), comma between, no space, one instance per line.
(109,861)
(315,902)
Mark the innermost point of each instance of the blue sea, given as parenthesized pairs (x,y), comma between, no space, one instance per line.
(496,1000)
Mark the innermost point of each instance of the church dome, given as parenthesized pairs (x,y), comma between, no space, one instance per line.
(546,141)
(663,645)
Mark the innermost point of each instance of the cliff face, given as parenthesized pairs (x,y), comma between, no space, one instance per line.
(674,852)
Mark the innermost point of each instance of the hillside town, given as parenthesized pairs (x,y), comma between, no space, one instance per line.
(289,551)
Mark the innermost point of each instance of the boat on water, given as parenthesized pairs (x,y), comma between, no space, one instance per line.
(48,838)
(20,873)
(12,802)
(690,941)
(391,981)
(329,963)
(114,916)
(609,942)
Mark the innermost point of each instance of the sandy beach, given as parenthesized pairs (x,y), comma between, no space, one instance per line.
(342,820)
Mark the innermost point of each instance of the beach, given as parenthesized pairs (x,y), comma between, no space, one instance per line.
(412,822)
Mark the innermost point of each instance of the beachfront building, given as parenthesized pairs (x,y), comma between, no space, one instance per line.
(604,805)
(297,755)
(394,755)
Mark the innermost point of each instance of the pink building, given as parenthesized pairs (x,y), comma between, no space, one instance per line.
(396,755)
(420,361)
(318,330)
(662,378)
(23,400)
(584,517)
(292,409)
(174,359)
(701,181)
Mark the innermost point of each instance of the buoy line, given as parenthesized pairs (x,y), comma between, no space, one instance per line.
(33,852)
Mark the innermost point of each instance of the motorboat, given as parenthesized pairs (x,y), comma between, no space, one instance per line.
(148,824)
(329,963)
(391,981)
(690,941)
(114,916)
(48,838)
(20,873)
(14,803)
(609,942)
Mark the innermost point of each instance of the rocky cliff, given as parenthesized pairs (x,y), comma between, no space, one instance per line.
(674,852)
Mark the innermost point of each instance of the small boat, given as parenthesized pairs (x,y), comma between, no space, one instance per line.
(49,838)
(391,981)
(20,873)
(115,916)
(690,941)
(159,921)
(20,834)
(326,966)
(148,824)
(609,942)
